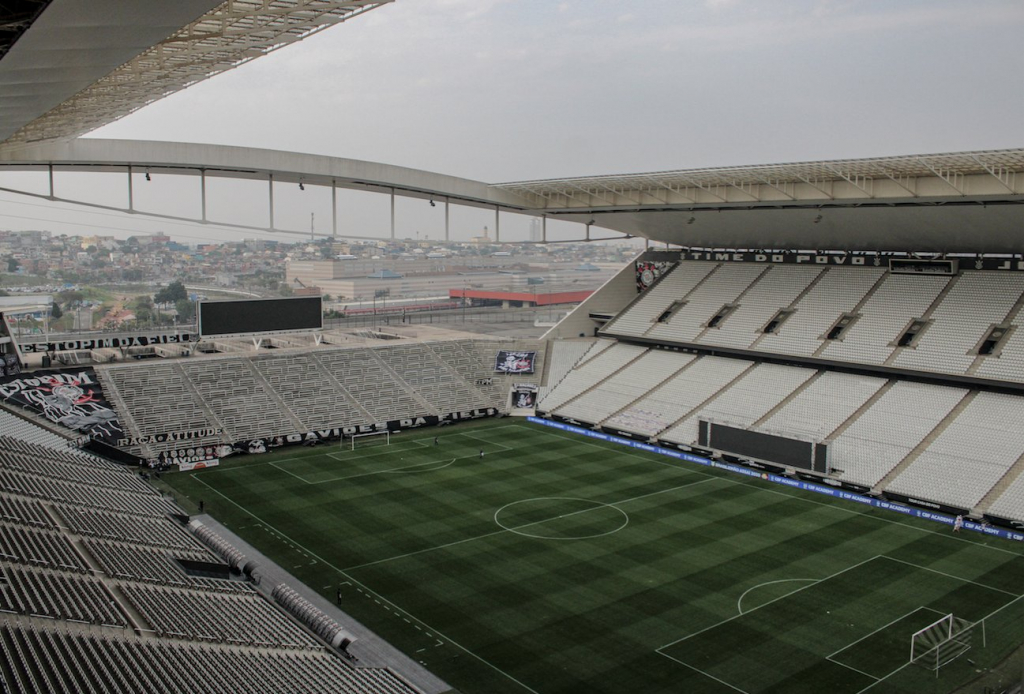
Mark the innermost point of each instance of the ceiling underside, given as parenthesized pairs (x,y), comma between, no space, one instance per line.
(85,63)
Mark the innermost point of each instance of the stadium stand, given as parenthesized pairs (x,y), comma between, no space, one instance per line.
(589,373)
(14,426)
(970,455)
(94,597)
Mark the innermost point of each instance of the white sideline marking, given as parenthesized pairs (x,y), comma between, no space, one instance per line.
(729,619)
(884,626)
(766,583)
(368,591)
(942,573)
(850,667)
(706,674)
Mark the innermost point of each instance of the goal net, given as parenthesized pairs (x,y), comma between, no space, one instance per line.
(941,642)
(373,438)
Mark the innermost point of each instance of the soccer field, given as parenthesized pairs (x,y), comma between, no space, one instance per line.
(557,564)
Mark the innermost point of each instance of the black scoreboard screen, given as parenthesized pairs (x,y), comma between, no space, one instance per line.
(248,316)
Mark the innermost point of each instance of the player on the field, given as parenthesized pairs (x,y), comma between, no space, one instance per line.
(958,523)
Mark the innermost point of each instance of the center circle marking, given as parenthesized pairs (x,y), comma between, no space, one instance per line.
(524,529)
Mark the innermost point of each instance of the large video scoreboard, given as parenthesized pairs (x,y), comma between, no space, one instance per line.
(254,316)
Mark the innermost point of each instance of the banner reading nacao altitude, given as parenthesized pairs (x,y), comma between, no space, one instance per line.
(70,397)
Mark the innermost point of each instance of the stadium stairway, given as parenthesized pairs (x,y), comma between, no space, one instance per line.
(287,411)
(940,297)
(925,442)
(861,410)
(210,414)
(1015,471)
(651,392)
(332,379)
(785,401)
(738,300)
(1011,316)
(596,385)
(410,391)
(793,304)
(856,309)
(701,405)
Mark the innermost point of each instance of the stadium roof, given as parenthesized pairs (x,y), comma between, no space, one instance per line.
(884,177)
(70,66)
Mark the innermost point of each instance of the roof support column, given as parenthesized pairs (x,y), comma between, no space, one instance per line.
(447,219)
(270,191)
(50,168)
(131,193)
(544,228)
(334,208)
(202,193)
(392,214)
(497,225)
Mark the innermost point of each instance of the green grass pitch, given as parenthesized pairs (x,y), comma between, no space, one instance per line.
(559,564)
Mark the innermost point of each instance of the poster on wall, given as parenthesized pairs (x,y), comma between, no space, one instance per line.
(524,395)
(72,398)
(510,362)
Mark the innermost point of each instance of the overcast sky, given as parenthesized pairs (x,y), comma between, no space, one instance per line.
(501,90)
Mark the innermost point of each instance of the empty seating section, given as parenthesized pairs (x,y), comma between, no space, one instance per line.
(837,292)
(241,618)
(589,373)
(241,403)
(313,397)
(371,384)
(109,477)
(1010,503)
(24,484)
(147,564)
(67,455)
(751,397)
(818,410)
(159,400)
(688,390)
(160,532)
(622,387)
(16,426)
(95,555)
(44,659)
(469,368)
(890,429)
(38,547)
(418,365)
(645,310)
(59,596)
(653,412)
(721,287)
(564,355)
(897,300)
(774,290)
(970,455)
(15,509)
(975,303)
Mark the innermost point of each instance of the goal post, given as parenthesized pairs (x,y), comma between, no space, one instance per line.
(941,642)
(373,438)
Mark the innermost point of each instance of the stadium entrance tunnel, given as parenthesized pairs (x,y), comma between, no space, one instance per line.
(561,518)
